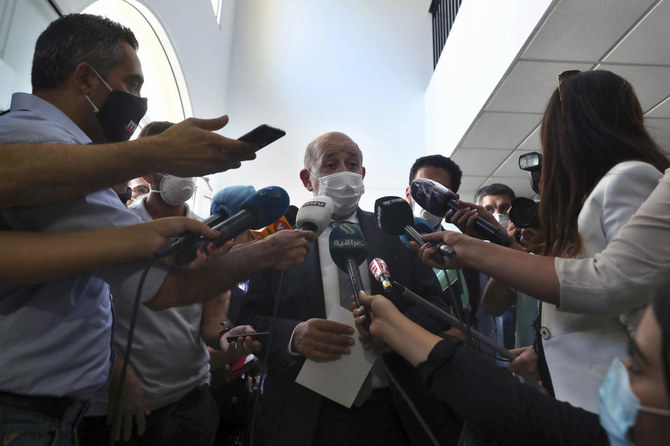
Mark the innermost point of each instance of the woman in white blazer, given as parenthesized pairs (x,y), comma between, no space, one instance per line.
(599,165)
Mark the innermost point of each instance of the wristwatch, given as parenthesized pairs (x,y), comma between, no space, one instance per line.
(227,326)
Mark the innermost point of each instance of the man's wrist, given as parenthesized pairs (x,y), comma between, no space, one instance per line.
(227,326)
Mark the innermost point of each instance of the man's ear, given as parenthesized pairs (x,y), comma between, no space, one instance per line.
(304,177)
(150,179)
(83,76)
(363,172)
(408,195)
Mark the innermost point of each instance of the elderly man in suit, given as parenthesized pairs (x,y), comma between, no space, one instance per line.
(294,306)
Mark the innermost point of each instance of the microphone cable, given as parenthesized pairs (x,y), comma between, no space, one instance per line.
(406,398)
(271,329)
(452,293)
(129,344)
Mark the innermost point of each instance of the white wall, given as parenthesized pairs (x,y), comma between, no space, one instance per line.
(309,67)
(21,22)
(483,43)
(202,46)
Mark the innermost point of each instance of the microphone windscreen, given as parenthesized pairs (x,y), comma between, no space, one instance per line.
(432,196)
(422,226)
(379,269)
(347,241)
(229,200)
(268,205)
(291,215)
(393,214)
(315,214)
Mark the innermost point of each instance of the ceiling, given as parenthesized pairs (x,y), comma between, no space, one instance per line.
(628,37)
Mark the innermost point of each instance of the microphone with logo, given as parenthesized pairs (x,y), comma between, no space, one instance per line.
(394,216)
(260,209)
(349,249)
(381,274)
(315,215)
(437,199)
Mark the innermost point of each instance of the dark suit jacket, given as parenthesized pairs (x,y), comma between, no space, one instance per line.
(289,411)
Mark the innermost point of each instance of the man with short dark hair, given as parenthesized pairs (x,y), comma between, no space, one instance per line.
(437,168)
(56,335)
(497,198)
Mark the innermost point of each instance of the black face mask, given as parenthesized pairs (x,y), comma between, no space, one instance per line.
(127,195)
(120,115)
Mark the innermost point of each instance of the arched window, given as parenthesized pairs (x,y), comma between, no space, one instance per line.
(164,83)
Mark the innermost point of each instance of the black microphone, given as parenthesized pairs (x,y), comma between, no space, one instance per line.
(437,199)
(349,249)
(260,209)
(189,238)
(394,216)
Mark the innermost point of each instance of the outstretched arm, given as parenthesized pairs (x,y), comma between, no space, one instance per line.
(35,174)
(531,274)
(29,257)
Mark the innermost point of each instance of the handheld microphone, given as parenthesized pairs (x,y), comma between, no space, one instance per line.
(189,238)
(437,311)
(437,199)
(315,214)
(349,249)
(260,209)
(394,216)
(380,272)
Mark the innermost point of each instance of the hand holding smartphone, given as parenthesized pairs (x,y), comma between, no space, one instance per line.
(262,135)
(261,337)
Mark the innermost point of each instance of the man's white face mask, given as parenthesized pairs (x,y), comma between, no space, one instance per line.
(345,189)
(176,191)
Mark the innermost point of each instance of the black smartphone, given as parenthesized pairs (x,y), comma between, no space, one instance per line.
(261,337)
(262,135)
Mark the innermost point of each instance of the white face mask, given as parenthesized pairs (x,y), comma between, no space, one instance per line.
(433,220)
(176,191)
(345,189)
(503,219)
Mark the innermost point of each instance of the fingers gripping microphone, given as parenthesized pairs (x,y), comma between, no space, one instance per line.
(189,238)
(315,214)
(437,199)
(432,309)
(349,249)
(259,210)
(380,272)
(394,216)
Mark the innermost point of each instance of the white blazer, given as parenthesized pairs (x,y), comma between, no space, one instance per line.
(580,347)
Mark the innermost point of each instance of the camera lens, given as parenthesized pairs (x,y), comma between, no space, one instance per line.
(523,213)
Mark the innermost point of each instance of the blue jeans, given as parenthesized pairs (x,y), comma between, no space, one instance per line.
(23,427)
(191,421)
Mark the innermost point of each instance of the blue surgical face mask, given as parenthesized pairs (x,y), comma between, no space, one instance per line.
(618,406)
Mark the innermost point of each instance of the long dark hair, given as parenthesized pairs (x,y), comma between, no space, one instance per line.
(593,122)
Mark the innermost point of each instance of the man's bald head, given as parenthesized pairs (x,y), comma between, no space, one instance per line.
(326,143)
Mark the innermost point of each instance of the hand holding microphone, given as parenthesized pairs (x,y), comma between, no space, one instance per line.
(438,200)
(405,293)
(394,216)
(260,209)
